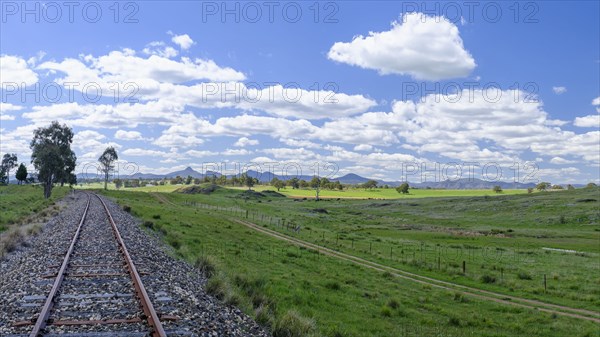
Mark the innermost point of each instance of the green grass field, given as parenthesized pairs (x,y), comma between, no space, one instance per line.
(20,201)
(381,193)
(503,240)
(349,193)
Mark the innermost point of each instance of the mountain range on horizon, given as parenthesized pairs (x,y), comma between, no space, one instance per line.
(349,179)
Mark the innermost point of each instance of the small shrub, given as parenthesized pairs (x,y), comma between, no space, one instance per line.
(454,321)
(13,240)
(393,303)
(386,311)
(292,324)
(207,266)
(148,224)
(263,316)
(156,216)
(458,297)
(488,279)
(217,286)
(232,298)
(175,243)
(160,229)
(523,276)
(260,300)
(292,255)
(127,209)
(333,285)
(34,230)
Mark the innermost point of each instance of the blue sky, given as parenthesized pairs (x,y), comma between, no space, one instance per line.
(371,86)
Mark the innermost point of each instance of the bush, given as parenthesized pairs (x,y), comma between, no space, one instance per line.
(127,209)
(263,316)
(207,266)
(156,216)
(458,297)
(524,276)
(232,298)
(292,324)
(386,311)
(148,224)
(488,279)
(217,286)
(454,321)
(12,241)
(175,243)
(393,303)
(333,285)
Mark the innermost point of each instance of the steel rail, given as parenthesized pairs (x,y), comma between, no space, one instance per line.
(42,319)
(147,306)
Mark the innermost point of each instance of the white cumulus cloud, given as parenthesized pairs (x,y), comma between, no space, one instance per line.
(183,41)
(590,121)
(422,46)
(245,141)
(128,135)
(15,69)
(559,90)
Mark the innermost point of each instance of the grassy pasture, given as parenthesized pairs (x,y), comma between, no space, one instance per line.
(20,201)
(349,193)
(503,239)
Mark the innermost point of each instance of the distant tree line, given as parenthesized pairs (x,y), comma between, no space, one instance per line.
(54,163)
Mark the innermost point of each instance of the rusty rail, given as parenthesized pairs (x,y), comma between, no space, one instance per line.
(147,306)
(149,312)
(42,319)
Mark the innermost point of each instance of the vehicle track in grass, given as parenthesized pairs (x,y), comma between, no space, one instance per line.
(516,301)
(470,291)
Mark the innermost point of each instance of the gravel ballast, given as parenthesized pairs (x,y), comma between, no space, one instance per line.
(175,288)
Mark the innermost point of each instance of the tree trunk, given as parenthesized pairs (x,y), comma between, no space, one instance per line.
(47,188)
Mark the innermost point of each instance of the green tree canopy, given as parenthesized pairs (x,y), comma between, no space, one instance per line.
(9,162)
(52,156)
(278,184)
(370,184)
(107,163)
(21,174)
(403,188)
(294,182)
(543,186)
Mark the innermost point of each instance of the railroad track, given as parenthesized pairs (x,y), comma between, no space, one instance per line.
(97,289)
